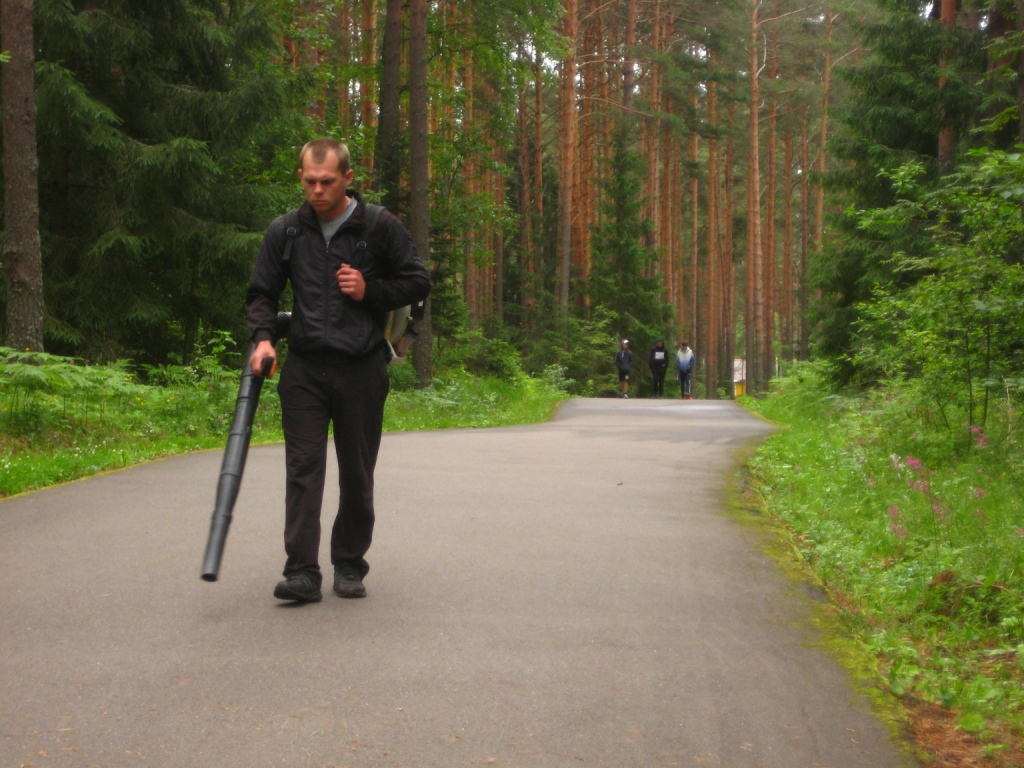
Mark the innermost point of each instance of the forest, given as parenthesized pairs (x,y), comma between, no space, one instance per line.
(824,195)
(593,171)
(760,178)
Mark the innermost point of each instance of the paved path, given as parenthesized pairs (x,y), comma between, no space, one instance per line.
(568,594)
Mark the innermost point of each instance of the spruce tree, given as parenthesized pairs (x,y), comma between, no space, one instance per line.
(159,128)
(622,279)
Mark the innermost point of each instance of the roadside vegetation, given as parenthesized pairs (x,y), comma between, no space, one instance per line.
(911,515)
(900,465)
(61,419)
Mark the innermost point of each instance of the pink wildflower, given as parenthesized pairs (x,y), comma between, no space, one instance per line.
(1020,532)
(913,463)
(976,430)
(939,510)
(871,482)
(980,493)
(981,442)
(894,513)
(899,531)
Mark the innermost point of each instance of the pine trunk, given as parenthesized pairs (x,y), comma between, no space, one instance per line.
(826,80)
(538,175)
(386,149)
(768,253)
(567,155)
(608,75)
(664,214)
(755,270)
(654,135)
(729,315)
(471,280)
(627,64)
(23,269)
(419,173)
(711,283)
(1019,14)
(946,136)
(368,104)
(691,324)
(587,190)
(526,189)
(342,55)
(805,239)
(786,307)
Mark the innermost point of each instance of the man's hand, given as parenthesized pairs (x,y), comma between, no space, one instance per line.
(263,350)
(351,282)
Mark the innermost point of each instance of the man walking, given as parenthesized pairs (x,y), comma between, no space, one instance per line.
(344,281)
(623,362)
(684,364)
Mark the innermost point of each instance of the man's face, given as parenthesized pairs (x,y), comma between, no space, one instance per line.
(325,185)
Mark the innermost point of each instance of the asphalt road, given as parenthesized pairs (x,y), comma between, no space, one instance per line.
(567,594)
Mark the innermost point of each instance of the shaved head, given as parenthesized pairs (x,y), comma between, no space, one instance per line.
(318,149)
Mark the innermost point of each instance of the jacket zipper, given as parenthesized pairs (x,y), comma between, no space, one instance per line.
(327,294)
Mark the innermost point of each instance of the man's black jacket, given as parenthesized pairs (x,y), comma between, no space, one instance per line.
(325,321)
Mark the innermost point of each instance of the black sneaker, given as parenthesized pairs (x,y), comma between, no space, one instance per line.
(299,588)
(347,581)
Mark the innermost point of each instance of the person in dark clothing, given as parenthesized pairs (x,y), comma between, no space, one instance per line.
(659,365)
(623,362)
(343,287)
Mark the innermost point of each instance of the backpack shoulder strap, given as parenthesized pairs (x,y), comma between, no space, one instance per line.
(373,213)
(291,221)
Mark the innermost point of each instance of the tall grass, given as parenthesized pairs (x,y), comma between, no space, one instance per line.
(61,420)
(920,536)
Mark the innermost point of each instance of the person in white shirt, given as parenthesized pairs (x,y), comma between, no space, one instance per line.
(684,364)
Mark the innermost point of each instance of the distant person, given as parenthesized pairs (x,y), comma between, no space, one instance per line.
(659,366)
(623,362)
(684,364)
(344,281)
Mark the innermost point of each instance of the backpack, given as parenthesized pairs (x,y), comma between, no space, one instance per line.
(400,329)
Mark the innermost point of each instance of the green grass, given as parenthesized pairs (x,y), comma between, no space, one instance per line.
(918,537)
(468,401)
(59,421)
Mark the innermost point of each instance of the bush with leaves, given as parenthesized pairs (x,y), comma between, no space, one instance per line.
(583,348)
(954,336)
(482,355)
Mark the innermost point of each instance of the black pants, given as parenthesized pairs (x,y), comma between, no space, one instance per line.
(350,393)
(658,378)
